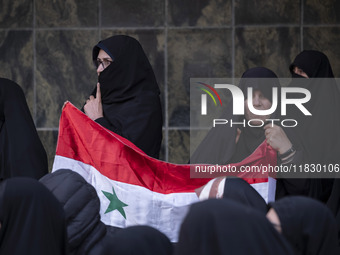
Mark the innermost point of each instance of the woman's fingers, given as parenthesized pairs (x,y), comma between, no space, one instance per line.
(98,95)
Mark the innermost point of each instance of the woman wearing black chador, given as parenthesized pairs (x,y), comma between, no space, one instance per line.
(21,151)
(320,133)
(126,99)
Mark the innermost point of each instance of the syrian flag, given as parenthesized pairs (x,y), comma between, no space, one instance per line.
(133,188)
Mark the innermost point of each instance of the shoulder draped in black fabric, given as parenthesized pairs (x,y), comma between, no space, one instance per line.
(223,226)
(141,240)
(32,220)
(86,234)
(333,203)
(240,191)
(130,94)
(219,147)
(21,151)
(308,225)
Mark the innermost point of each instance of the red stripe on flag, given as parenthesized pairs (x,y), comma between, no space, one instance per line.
(84,140)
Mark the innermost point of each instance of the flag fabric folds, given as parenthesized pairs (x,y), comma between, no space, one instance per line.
(133,188)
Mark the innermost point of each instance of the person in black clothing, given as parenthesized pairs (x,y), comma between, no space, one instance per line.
(21,151)
(137,240)
(126,98)
(32,219)
(319,133)
(225,144)
(240,191)
(307,224)
(223,226)
(333,203)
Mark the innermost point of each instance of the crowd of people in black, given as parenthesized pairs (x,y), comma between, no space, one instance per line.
(58,213)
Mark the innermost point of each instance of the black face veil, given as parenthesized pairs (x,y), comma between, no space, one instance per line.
(129,74)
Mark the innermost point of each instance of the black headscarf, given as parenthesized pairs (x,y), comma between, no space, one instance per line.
(308,225)
(130,94)
(223,226)
(240,191)
(141,240)
(219,147)
(319,133)
(32,220)
(21,151)
(314,63)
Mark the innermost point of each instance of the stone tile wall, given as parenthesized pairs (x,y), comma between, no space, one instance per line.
(46,46)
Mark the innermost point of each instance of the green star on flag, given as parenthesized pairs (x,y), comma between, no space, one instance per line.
(115,203)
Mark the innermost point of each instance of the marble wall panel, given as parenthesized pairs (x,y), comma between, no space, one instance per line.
(49,140)
(49,54)
(326,40)
(16,60)
(274,48)
(16,14)
(194,54)
(60,13)
(129,13)
(65,71)
(196,138)
(321,12)
(267,12)
(199,13)
(162,153)
(179,146)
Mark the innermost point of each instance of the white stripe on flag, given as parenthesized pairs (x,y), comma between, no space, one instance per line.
(162,211)
(266,189)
